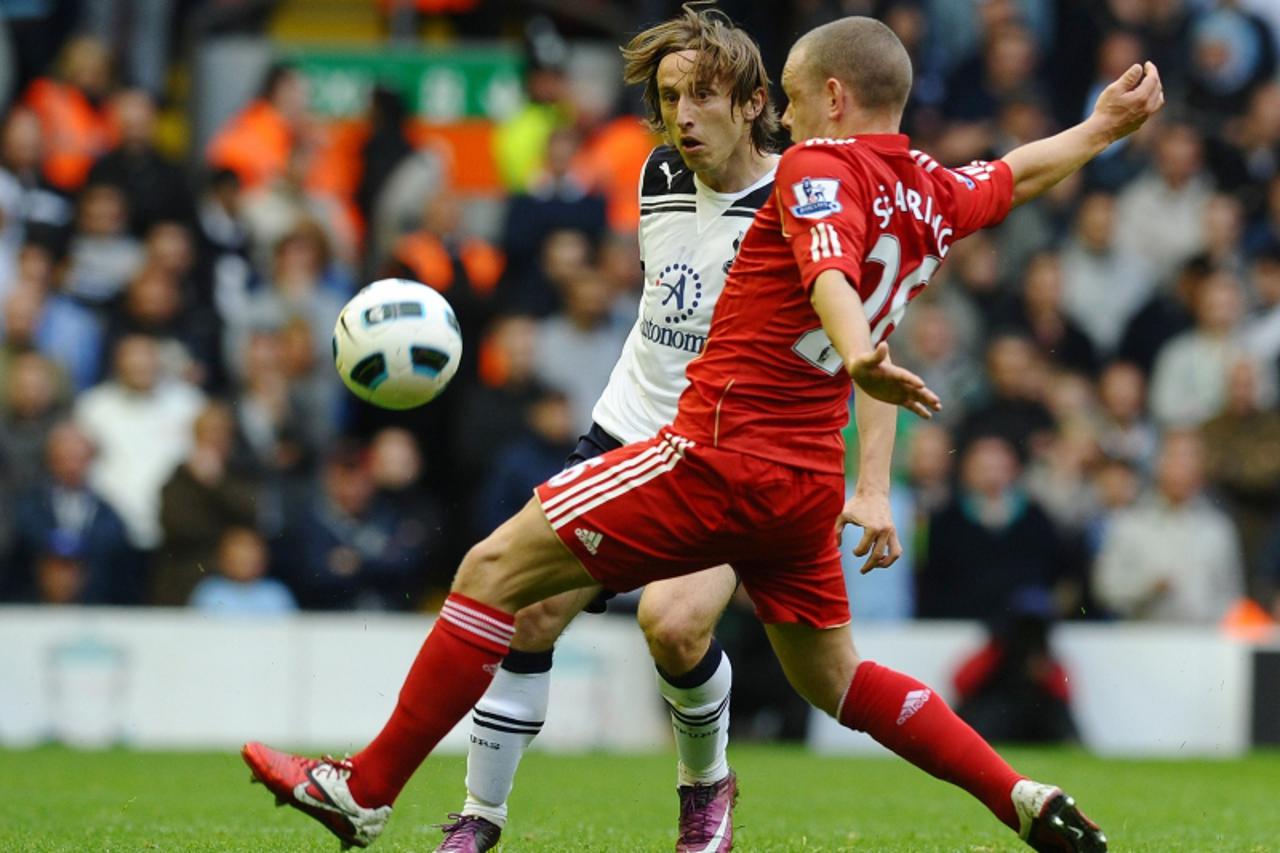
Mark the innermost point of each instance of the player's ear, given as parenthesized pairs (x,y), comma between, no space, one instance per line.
(754,105)
(834,92)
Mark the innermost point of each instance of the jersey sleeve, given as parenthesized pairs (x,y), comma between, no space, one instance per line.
(982,195)
(820,200)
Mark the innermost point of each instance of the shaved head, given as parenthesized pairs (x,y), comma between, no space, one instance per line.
(863,54)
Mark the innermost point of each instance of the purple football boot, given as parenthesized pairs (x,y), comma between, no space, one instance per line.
(706,816)
(469,834)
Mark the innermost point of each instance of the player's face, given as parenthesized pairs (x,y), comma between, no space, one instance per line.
(804,116)
(699,115)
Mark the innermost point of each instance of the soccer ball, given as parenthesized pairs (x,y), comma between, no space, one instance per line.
(397,343)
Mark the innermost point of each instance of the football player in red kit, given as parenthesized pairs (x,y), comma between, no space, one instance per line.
(751,472)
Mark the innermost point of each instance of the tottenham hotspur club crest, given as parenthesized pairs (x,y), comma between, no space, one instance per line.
(684,289)
(816,198)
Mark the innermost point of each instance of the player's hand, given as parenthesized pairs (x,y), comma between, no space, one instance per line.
(1127,103)
(879,544)
(884,380)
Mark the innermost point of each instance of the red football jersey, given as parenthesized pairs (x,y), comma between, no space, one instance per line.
(769,382)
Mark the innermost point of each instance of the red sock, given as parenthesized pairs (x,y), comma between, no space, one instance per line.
(910,719)
(450,674)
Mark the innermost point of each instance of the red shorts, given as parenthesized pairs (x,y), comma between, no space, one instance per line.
(668,507)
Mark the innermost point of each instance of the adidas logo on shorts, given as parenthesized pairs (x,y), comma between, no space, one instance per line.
(590,539)
(914,702)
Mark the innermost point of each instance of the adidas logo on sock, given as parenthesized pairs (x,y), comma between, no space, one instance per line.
(914,702)
(590,539)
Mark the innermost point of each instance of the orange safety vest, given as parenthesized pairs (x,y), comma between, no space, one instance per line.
(255,144)
(425,255)
(76,133)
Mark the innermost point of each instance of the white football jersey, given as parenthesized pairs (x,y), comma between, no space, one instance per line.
(689,236)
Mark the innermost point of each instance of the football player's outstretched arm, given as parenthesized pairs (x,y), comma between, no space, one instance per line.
(1122,108)
(845,322)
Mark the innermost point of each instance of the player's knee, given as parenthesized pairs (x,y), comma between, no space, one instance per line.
(677,641)
(483,574)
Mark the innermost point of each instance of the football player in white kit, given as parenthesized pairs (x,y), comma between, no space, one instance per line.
(706,90)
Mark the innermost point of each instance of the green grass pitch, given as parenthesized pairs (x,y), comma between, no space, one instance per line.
(56,799)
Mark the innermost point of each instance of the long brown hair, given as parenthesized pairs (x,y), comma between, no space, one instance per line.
(725,54)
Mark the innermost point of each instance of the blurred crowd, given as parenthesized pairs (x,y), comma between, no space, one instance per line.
(172,431)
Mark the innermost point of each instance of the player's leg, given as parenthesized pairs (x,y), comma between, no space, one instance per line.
(913,721)
(509,716)
(678,617)
(520,563)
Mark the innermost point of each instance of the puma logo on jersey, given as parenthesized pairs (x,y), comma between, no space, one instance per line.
(590,539)
(666,170)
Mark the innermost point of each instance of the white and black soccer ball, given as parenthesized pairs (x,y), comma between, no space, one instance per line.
(397,343)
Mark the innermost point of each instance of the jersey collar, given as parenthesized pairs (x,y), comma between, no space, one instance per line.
(898,141)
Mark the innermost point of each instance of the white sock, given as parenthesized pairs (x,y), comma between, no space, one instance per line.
(700,720)
(503,724)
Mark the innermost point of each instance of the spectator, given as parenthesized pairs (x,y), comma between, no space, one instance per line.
(397,466)
(932,352)
(520,142)
(152,305)
(989,543)
(343,550)
(1059,480)
(1160,216)
(1224,233)
(201,500)
(1174,557)
(32,207)
(1187,386)
(1232,52)
(1125,431)
(1014,689)
(65,518)
(1163,316)
(1042,317)
(290,201)
(55,325)
(102,257)
(241,587)
(141,424)
(1004,68)
(35,393)
(1242,461)
(528,460)
(1104,284)
(269,418)
(930,454)
(1014,409)
(300,287)
(258,142)
(71,112)
(386,147)
(155,186)
(1245,155)
(557,200)
(578,348)
(314,387)
(1116,486)
(491,412)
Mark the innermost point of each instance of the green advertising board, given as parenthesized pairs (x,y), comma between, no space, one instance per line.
(439,86)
